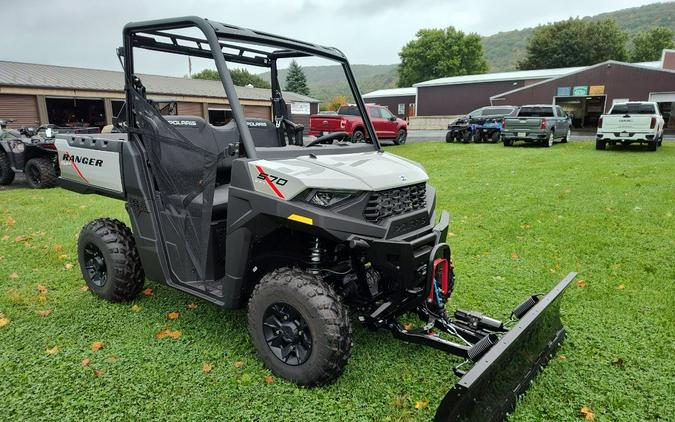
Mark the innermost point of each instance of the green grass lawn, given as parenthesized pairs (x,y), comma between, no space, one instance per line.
(522,218)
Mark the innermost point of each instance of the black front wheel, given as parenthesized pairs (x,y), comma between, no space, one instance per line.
(450,137)
(495,137)
(109,261)
(6,172)
(299,327)
(41,173)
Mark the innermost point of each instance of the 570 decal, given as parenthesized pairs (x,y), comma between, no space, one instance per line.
(272,181)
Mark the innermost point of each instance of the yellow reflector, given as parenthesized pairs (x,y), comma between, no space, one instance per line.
(301,219)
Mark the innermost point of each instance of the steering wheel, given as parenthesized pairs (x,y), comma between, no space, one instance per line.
(330,137)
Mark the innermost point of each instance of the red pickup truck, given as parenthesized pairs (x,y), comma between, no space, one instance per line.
(348,119)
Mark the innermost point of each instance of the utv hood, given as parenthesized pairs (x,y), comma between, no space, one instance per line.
(367,171)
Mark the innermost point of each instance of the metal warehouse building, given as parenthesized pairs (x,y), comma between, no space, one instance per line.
(584,92)
(36,94)
(400,101)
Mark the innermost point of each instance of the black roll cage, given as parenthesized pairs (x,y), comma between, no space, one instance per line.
(144,35)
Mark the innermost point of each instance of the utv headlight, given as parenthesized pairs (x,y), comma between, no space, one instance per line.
(328,198)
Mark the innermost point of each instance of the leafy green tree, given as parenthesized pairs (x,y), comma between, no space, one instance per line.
(574,42)
(649,45)
(240,77)
(296,80)
(437,53)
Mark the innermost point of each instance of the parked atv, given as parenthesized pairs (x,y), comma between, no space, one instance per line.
(25,151)
(481,125)
(246,215)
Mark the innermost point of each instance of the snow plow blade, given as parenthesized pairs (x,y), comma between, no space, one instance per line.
(490,389)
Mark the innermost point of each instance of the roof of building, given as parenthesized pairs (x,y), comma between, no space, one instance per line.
(393,92)
(514,76)
(655,66)
(49,76)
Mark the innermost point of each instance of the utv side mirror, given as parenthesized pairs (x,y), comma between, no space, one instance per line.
(392,118)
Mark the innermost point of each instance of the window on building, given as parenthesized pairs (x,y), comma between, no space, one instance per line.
(401,109)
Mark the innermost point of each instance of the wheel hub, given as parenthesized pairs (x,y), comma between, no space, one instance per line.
(287,334)
(95,266)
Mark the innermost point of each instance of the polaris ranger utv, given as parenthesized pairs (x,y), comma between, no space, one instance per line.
(249,214)
(26,151)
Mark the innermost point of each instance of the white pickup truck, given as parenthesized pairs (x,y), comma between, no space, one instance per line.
(631,122)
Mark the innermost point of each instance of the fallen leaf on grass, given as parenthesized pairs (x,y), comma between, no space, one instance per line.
(620,287)
(96,346)
(514,255)
(63,256)
(42,298)
(54,350)
(22,238)
(581,283)
(525,226)
(5,237)
(98,373)
(587,413)
(135,308)
(408,326)
(10,221)
(399,401)
(562,357)
(14,275)
(68,266)
(618,362)
(86,362)
(57,247)
(147,292)
(207,367)
(451,234)
(84,288)
(421,404)
(45,313)
(41,289)
(192,306)
(238,364)
(168,333)
(173,315)
(3,321)
(268,379)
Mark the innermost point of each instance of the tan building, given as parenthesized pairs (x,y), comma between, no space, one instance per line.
(36,94)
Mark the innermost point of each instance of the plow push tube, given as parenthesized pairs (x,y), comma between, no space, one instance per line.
(490,389)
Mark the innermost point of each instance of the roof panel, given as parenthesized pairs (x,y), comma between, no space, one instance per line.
(393,92)
(513,76)
(63,77)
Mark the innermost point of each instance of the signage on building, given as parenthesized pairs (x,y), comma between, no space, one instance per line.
(564,91)
(580,90)
(300,108)
(596,90)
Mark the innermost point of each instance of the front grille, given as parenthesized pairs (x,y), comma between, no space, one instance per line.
(397,201)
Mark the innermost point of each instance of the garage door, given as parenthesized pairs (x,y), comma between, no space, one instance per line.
(662,97)
(190,109)
(261,112)
(22,108)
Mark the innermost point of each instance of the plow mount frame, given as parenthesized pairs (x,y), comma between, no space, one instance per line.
(505,361)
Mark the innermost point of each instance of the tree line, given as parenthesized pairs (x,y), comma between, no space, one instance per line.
(438,53)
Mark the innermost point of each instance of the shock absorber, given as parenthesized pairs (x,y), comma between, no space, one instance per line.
(315,256)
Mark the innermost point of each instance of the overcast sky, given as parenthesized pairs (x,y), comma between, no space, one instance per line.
(84,33)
